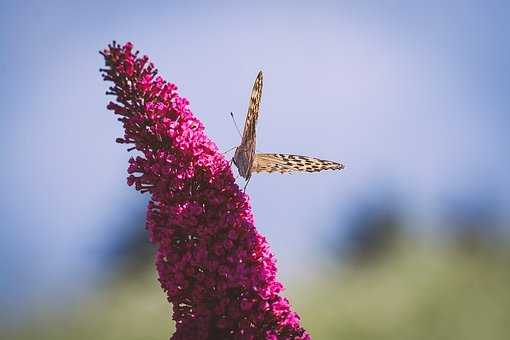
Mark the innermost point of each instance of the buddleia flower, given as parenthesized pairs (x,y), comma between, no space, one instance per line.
(215,267)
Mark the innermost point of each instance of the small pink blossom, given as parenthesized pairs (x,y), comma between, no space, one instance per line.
(216,269)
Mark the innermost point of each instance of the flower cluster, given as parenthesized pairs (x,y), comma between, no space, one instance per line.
(215,267)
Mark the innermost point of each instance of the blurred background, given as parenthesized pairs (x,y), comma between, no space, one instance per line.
(410,241)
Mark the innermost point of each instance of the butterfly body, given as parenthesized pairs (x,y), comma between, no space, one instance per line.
(247,161)
(243,160)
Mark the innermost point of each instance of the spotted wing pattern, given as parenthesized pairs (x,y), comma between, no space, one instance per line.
(253,112)
(247,161)
(245,153)
(277,162)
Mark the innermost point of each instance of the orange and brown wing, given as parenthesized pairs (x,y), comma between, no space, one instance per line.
(248,140)
(245,152)
(277,162)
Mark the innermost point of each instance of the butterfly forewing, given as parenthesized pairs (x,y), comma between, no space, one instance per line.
(245,153)
(253,112)
(277,162)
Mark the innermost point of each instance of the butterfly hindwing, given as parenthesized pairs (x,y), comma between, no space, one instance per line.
(277,162)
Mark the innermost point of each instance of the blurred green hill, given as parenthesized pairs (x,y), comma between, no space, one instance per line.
(416,292)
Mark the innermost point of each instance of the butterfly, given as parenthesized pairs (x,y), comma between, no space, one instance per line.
(247,161)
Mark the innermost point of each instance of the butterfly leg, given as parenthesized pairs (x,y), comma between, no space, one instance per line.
(246,184)
(229,150)
(230,165)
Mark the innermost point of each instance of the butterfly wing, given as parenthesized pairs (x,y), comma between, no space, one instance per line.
(253,114)
(271,162)
(245,153)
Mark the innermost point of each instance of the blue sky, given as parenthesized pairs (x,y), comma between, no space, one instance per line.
(409,95)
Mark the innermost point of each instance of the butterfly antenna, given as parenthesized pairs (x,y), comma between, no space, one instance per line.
(235,123)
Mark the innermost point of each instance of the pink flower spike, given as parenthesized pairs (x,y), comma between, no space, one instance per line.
(216,269)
